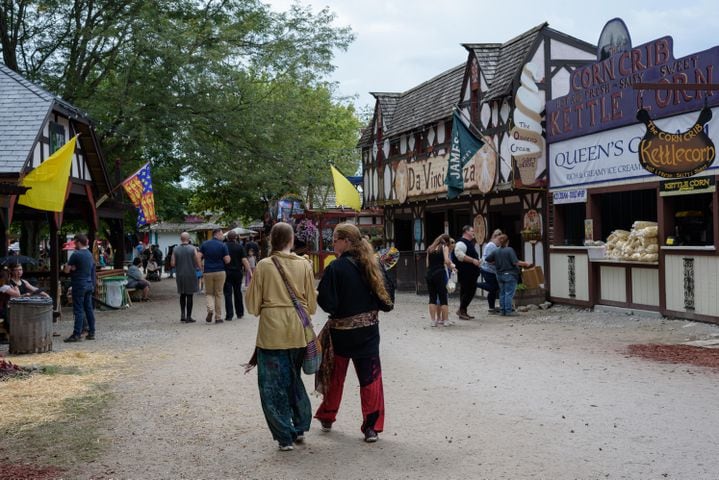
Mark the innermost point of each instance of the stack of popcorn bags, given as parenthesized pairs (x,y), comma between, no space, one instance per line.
(639,245)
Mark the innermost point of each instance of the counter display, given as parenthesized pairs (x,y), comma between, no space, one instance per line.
(639,245)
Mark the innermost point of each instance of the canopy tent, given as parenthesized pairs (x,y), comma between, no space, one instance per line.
(242,232)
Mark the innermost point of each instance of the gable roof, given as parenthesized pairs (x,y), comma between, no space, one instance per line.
(24,108)
(387,103)
(428,102)
(502,63)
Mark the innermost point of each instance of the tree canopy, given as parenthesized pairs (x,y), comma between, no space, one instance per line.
(228,99)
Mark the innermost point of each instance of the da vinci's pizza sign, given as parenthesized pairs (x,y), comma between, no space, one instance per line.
(676,155)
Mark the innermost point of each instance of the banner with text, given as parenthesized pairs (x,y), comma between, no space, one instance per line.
(612,155)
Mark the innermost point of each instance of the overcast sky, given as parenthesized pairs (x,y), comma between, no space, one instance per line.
(402,43)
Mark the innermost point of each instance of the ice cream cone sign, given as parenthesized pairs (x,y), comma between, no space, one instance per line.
(527,144)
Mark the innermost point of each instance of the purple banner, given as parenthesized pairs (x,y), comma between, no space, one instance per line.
(602,96)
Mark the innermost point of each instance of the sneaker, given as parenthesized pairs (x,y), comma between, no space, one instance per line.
(463,316)
(326,426)
(370,436)
(300,438)
(208,318)
(73,338)
(219,320)
(434,323)
(511,314)
(90,336)
(493,311)
(286,448)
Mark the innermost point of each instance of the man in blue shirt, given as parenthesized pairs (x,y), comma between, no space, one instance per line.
(81,267)
(215,255)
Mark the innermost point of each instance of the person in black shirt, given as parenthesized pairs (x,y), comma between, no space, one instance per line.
(467,260)
(233,279)
(352,290)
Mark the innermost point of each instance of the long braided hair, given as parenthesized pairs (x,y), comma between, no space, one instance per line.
(363,253)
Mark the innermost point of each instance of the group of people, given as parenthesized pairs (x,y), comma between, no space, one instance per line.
(150,257)
(499,268)
(222,265)
(352,291)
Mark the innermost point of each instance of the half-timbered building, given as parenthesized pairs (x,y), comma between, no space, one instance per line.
(499,92)
(33,124)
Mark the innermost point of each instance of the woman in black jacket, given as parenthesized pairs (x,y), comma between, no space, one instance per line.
(352,291)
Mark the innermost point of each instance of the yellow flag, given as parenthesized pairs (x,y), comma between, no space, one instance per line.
(345,193)
(48,182)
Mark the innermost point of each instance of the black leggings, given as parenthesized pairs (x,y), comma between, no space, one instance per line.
(437,286)
(186,302)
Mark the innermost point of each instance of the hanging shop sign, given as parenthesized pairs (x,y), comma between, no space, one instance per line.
(676,155)
(426,177)
(578,195)
(480,228)
(687,186)
(602,96)
(613,155)
(527,143)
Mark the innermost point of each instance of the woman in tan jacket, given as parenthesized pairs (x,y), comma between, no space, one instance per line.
(281,339)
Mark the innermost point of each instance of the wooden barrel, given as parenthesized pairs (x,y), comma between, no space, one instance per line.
(30,320)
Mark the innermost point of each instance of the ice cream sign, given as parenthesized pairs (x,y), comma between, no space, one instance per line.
(603,96)
(527,143)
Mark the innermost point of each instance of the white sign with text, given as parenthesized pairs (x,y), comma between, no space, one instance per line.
(612,155)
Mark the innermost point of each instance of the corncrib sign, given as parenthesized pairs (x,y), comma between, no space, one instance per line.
(602,95)
(676,155)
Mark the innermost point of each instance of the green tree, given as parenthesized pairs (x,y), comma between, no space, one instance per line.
(219,92)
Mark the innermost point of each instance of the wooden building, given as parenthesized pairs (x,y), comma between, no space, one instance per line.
(610,172)
(500,93)
(33,124)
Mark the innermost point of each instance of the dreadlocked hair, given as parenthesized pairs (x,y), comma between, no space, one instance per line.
(363,253)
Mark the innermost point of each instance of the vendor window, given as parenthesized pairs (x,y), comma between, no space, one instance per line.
(571,217)
(620,210)
(689,219)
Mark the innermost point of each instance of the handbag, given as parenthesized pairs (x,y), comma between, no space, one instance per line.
(451,281)
(313,355)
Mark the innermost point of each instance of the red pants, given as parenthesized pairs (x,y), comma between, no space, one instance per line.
(369,374)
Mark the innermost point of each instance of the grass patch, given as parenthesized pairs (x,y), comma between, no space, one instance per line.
(59,370)
(56,416)
(74,437)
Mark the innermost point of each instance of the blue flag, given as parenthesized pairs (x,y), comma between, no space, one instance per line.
(464,146)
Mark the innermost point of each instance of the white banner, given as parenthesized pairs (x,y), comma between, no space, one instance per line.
(577,195)
(613,155)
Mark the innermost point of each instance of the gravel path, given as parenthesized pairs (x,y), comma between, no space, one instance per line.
(550,394)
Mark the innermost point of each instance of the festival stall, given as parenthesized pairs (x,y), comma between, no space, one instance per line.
(313,232)
(633,179)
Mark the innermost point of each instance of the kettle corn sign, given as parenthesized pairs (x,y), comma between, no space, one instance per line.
(676,155)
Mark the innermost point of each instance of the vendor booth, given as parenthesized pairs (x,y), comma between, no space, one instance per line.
(633,178)
(313,232)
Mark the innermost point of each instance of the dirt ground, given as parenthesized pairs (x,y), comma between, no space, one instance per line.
(550,394)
